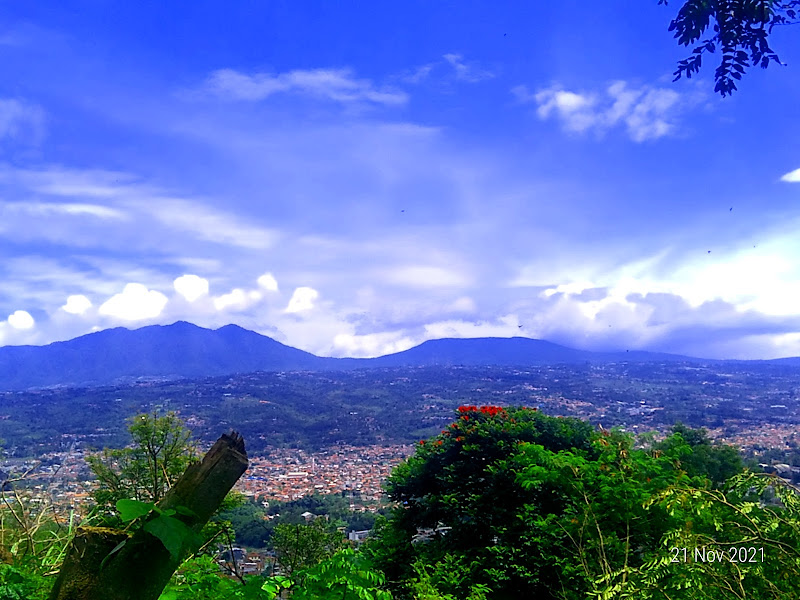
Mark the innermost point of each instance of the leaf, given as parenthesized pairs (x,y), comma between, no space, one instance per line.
(186,512)
(274,585)
(173,533)
(133,509)
(114,550)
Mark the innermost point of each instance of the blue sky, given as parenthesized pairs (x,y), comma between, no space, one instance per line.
(353,182)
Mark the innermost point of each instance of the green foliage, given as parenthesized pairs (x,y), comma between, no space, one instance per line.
(16,584)
(727,544)
(741,32)
(461,503)
(505,503)
(33,540)
(526,505)
(162,449)
(345,574)
(254,524)
(199,579)
(299,547)
(718,462)
(172,532)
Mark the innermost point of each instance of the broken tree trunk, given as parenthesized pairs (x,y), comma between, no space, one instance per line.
(143,566)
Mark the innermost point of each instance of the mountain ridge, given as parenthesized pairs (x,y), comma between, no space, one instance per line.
(185,350)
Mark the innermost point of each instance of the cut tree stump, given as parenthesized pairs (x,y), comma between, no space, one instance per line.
(143,566)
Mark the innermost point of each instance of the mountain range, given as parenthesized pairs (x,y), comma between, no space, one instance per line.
(184,350)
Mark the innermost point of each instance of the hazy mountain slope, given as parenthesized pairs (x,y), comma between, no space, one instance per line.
(186,350)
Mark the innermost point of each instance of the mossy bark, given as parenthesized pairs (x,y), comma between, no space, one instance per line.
(143,566)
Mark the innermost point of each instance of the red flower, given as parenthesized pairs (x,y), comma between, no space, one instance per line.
(422,442)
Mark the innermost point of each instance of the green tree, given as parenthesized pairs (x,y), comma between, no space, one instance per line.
(727,544)
(741,33)
(302,546)
(717,462)
(512,503)
(162,448)
(345,574)
(460,503)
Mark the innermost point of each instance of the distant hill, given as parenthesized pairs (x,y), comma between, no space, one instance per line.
(186,350)
(516,351)
(177,350)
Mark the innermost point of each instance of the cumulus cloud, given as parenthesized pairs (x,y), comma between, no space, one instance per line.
(134,303)
(21,319)
(77,304)
(237,299)
(792,176)
(268,282)
(645,112)
(338,85)
(302,300)
(191,287)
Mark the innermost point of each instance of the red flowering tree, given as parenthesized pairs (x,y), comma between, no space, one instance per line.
(457,498)
(529,506)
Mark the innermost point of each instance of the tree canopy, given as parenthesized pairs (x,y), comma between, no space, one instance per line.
(162,448)
(511,503)
(741,30)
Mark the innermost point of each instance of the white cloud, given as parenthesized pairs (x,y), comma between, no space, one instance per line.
(505,326)
(463,305)
(338,85)
(21,121)
(77,304)
(268,282)
(148,206)
(419,74)
(465,72)
(79,183)
(209,224)
(302,300)
(21,319)
(425,277)
(55,208)
(792,176)
(371,345)
(452,63)
(646,112)
(237,299)
(574,287)
(191,287)
(134,303)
